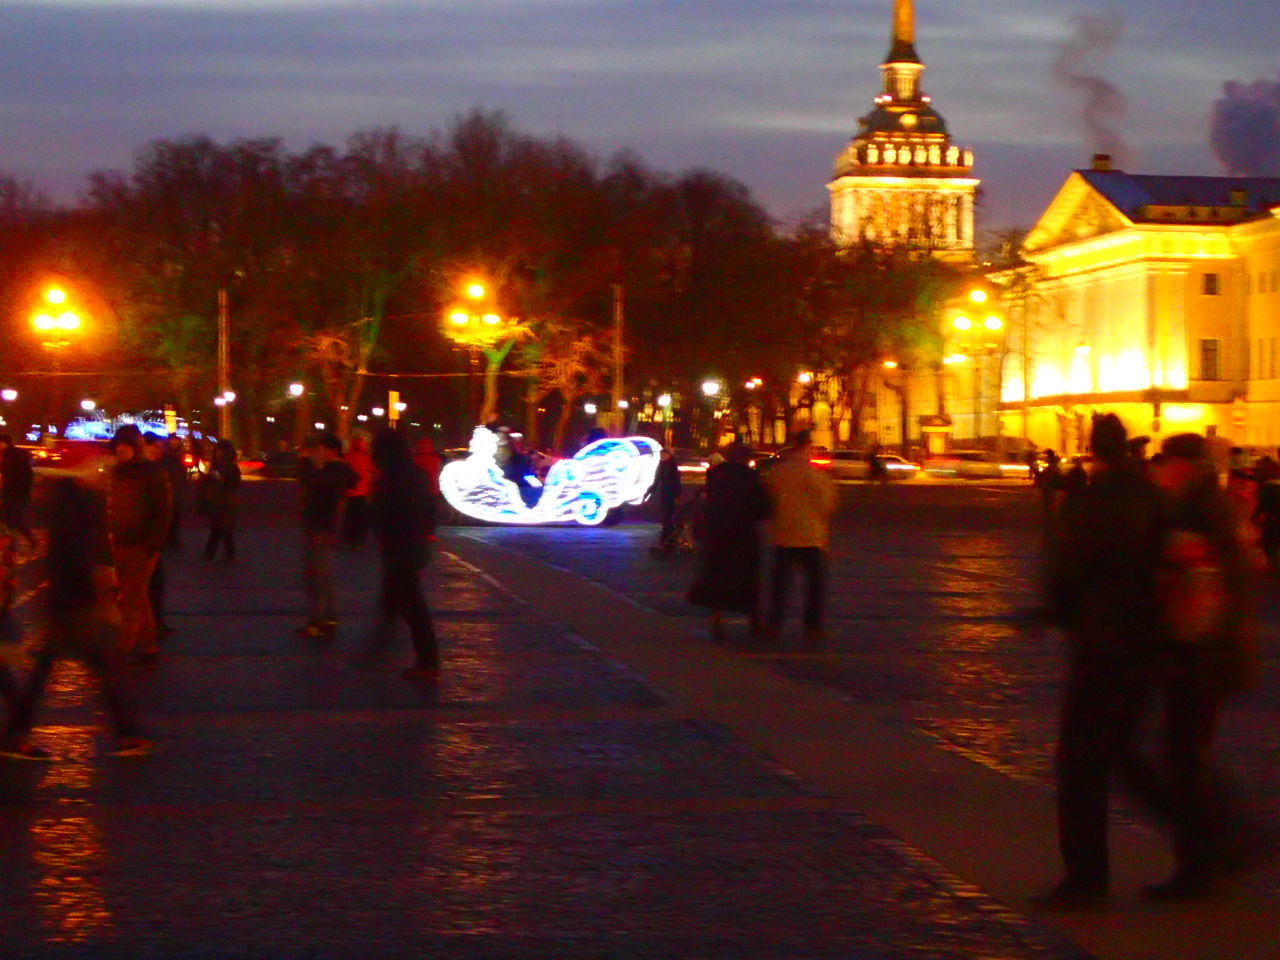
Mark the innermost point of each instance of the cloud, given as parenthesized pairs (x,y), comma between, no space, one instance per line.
(767,90)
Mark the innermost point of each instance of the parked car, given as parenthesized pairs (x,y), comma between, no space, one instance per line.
(976,465)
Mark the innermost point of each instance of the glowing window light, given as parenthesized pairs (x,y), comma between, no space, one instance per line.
(600,477)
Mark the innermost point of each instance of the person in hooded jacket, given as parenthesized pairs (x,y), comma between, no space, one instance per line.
(139,510)
(222,500)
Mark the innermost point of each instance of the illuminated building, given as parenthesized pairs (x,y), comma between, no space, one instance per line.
(1153,297)
(901,180)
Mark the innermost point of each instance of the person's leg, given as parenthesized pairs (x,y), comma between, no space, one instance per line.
(96,647)
(311,577)
(211,545)
(137,628)
(413,607)
(780,584)
(327,603)
(812,561)
(229,538)
(156,591)
(1083,763)
(22,715)
(1191,722)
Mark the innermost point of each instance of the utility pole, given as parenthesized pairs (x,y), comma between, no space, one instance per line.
(619,415)
(224,366)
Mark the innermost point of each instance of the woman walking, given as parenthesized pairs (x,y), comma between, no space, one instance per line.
(402,519)
(729,578)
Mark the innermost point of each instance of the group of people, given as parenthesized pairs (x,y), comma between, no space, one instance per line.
(1150,574)
(793,500)
(108,529)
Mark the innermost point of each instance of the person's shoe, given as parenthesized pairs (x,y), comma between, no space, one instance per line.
(134,747)
(25,750)
(1068,896)
(1183,887)
(421,675)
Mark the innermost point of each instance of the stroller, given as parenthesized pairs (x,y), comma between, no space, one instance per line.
(686,526)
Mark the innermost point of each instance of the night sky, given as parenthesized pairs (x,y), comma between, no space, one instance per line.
(767,91)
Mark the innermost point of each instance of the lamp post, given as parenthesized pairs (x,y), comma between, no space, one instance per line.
(55,322)
(475,323)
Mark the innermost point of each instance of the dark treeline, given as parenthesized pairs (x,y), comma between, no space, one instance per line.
(339,265)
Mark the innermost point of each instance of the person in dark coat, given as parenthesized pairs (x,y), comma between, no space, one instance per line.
(729,578)
(401,513)
(1102,587)
(222,500)
(355,510)
(666,492)
(16,479)
(324,477)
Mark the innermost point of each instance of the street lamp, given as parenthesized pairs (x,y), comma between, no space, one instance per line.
(296,390)
(590,409)
(8,395)
(378,412)
(88,406)
(476,325)
(711,388)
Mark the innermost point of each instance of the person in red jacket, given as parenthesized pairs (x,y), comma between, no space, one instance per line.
(430,463)
(355,509)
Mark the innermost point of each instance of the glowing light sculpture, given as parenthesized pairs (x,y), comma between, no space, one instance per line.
(600,477)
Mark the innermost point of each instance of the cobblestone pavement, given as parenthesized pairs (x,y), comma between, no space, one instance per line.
(930,612)
(542,802)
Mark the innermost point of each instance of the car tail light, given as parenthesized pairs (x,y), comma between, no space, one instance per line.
(820,461)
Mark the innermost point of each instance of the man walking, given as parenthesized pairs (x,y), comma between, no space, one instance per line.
(1102,584)
(324,477)
(803,499)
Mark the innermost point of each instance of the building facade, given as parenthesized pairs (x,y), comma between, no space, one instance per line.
(1153,297)
(901,179)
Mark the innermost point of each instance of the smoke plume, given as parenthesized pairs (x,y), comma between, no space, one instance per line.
(1245,129)
(1078,68)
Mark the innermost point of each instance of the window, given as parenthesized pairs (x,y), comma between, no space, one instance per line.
(1209,359)
(1211,285)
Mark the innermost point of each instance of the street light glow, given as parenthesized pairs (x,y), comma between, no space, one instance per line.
(711,388)
(229,396)
(664,401)
(296,389)
(1083,350)
(993,323)
(962,323)
(400,406)
(492,319)
(891,364)
(624,404)
(475,291)
(68,321)
(8,395)
(42,321)
(589,409)
(219,401)
(978,296)
(805,378)
(55,295)
(458,319)
(88,406)
(378,412)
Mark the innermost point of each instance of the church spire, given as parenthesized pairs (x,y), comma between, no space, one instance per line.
(903,49)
